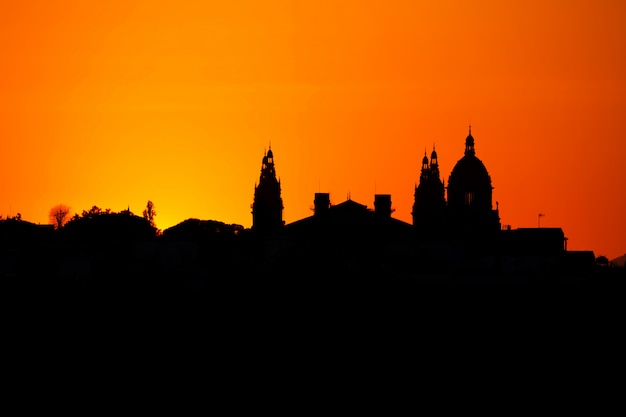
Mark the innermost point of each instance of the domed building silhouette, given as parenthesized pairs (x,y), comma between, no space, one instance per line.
(455,230)
(470,204)
(468,211)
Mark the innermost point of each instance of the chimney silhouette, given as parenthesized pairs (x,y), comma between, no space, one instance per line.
(322,204)
(382,205)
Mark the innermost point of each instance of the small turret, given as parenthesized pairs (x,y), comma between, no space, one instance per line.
(382,206)
(434,164)
(321,204)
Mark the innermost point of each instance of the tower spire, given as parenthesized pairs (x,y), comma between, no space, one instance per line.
(469,143)
(424,163)
(434,163)
(267,208)
(429,195)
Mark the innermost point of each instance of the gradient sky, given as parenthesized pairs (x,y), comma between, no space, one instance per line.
(116,103)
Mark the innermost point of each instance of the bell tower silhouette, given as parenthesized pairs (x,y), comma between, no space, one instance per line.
(267,208)
(429,203)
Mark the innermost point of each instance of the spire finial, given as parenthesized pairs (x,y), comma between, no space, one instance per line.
(469,142)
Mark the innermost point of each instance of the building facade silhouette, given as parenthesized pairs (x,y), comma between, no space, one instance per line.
(455,228)
(463,209)
(467,212)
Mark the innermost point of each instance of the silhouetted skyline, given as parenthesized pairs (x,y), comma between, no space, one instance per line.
(456,237)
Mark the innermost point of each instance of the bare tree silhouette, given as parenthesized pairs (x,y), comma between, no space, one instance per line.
(59,215)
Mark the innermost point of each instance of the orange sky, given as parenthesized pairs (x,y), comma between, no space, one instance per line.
(115,103)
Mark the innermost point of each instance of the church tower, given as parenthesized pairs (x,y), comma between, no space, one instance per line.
(267,208)
(429,204)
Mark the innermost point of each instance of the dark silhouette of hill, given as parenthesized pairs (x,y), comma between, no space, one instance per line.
(91,249)
(202,231)
(107,226)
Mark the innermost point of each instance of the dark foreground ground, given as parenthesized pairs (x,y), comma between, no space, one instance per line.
(280,343)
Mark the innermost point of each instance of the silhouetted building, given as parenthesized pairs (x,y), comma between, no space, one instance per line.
(470,196)
(467,214)
(348,236)
(457,232)
(429,208)
(267,208)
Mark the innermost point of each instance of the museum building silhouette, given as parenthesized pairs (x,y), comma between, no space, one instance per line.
(455,227)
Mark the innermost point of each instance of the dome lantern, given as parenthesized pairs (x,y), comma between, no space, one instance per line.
(469,143)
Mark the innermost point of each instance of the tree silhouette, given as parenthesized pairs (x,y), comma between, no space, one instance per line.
(98,225)
(150,213)
(59,215)
(602,260)
(94,211)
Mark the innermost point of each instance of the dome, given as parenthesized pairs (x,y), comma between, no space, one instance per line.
(469,172)
(470,194)
(469,184)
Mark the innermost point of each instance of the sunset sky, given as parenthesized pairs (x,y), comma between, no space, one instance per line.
(114,103)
